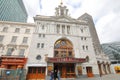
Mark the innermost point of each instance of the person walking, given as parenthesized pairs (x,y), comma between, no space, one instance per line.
(55,74)
(51,75)
(58,75)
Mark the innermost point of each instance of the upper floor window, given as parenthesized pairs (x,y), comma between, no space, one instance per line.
(5,29)
(58,28)
(86,47)
(42,45)
(1,38)
(83,47)
(38,45)
(81,30)
(81,38)
(21,53)
(17,30)
(25,39)
(41,35)
(14,38)
(9,51)
(68,29)
(43,26)
(27,31)
(63,29)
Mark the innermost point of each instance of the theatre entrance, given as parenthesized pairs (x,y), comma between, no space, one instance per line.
(67,70)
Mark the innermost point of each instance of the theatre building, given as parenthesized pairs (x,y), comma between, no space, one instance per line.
(62,43)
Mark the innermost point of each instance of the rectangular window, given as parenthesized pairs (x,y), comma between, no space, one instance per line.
(83,47)
(14,38)
(25,39)
(17,30)
(86,47)
(43,26)
(43,35)
(58,28)
(1,38)
(81,38)
(5,29)
(21,53)
(39,35)
(27,31)
(68,29)
(81,30)
(42,45)
(38,45)
(9,51)
(63,29)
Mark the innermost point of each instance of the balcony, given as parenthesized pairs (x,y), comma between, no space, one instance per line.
(14,56)
(13,60)
(12,45)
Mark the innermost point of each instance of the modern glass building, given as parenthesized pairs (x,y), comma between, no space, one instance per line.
(112,50)
(12,10)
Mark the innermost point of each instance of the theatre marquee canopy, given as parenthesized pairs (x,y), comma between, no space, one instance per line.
(65,60)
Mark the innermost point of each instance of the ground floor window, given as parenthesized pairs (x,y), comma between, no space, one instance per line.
(36,73)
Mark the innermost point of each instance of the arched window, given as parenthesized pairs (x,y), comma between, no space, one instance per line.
(63,48)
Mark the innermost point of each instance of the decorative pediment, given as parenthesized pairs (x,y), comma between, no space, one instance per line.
(65,19)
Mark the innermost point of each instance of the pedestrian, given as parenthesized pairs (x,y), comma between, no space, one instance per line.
(58,74)
(55,74)
(51,75)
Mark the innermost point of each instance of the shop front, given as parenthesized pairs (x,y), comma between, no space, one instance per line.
(13,62)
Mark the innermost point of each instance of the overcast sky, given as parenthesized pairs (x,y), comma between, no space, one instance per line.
(105,13)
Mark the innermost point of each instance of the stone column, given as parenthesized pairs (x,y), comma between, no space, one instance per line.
(100,71)
(109,68)
(102,68)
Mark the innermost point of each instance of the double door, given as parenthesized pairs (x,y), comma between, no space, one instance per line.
(67,70)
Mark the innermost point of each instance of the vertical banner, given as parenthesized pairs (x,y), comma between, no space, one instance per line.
(79,69)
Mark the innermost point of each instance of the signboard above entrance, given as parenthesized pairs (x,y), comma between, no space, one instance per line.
(66,60)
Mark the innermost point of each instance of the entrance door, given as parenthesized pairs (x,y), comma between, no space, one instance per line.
(89,71)
(36,73)
(67,70)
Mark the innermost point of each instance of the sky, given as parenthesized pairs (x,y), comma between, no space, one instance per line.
(105,13)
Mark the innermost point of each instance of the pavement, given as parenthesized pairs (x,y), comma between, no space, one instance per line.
(104,77)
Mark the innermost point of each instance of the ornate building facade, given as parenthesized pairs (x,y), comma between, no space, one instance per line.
(70,45)
(15,39)
(53,43)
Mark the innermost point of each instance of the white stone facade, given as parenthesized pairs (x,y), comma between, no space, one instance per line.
(39,42)
(78,33)
(16,37)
